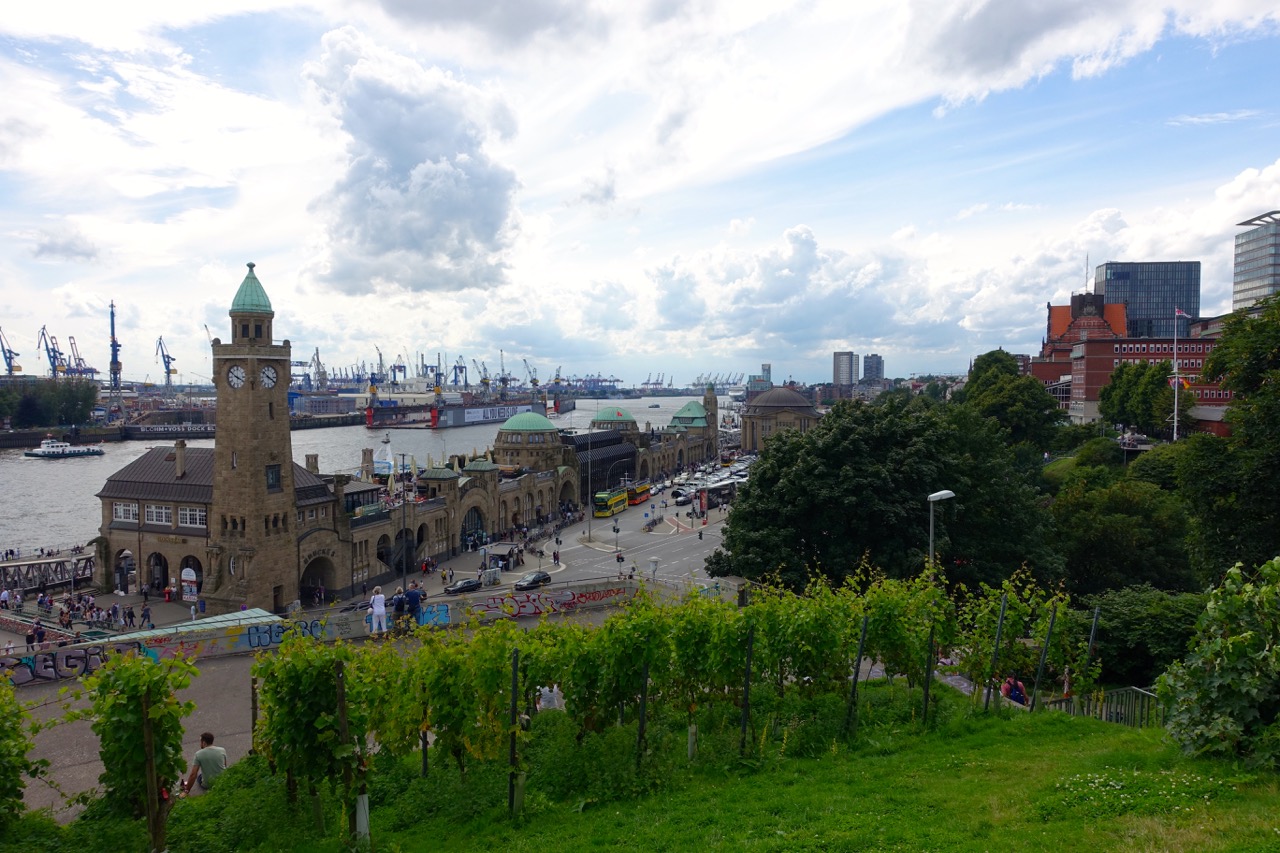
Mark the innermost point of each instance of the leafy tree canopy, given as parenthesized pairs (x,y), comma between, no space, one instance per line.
(1140,396)
(856,485)
(1127,532)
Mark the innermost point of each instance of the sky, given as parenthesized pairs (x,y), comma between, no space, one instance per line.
(634,190)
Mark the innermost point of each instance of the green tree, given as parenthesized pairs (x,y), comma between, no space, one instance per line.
(1141,630)
(1236,508)
(1099,452)
(138,720)
(987,371)
(1224,697)
(1158,466)
(1120,534)
(14,746)
(1021,405)
(856,485)
(1140,396)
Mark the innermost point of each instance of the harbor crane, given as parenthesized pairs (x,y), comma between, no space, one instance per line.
(162,353)
(558,380)
(78,366)
(11,365)
(532,374)
(460,370)
(483,372)
(321,381)
(57,361)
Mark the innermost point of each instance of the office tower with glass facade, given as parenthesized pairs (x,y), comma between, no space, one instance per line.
(844,368)
(1257,271)
(1151,292)
(873,369)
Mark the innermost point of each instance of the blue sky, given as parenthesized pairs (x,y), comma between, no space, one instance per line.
(676,188)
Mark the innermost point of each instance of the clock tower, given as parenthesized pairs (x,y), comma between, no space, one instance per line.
(252,547)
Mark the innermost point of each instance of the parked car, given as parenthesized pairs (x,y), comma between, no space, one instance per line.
(464,585)
(684,500)
(533,580)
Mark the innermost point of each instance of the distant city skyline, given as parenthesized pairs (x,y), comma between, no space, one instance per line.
(618,189)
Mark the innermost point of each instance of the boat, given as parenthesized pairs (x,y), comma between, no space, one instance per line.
(655,405)
(51,448)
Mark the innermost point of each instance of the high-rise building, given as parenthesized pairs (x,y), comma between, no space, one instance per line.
(1152,292)
(1257,271)
(872,369)
(844,368)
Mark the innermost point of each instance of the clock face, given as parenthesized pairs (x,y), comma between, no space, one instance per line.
(235,376)
(268,376)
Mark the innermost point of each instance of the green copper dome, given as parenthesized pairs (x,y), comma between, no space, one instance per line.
(251,298)
(614,414)
(528,422)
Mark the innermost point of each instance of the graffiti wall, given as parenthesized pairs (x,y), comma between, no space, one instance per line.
(61,663)
(191,639)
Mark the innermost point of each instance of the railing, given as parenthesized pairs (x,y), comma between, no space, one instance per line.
(1129,706)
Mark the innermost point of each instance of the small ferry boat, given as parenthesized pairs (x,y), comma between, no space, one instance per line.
(51,448)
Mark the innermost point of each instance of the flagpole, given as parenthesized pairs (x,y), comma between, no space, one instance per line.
(1176,380)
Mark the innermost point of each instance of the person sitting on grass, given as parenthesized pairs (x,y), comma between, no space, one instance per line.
(206,765)
(1013,690)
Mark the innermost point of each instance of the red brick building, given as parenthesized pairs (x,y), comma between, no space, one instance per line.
(1085,342)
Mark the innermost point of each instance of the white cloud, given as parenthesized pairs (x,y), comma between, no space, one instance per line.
(422,204)
(1213,118)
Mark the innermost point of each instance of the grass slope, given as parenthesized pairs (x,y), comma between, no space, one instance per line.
(978,782)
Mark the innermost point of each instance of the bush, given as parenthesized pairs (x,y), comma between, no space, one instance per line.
(1100,451)
(1224,698)
(1141,631)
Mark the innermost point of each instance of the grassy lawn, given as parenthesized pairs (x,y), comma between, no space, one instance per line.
(978,782)
(1048,782)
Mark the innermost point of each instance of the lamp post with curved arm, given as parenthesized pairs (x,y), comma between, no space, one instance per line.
(945,494)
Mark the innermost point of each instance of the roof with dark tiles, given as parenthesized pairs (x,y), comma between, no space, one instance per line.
(153,476)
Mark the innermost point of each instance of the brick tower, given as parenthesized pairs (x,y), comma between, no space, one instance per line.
(252,553)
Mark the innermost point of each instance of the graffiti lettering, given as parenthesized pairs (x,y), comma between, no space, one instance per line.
(598,595)
(59,664)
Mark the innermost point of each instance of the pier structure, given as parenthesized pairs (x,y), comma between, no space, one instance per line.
(242,525)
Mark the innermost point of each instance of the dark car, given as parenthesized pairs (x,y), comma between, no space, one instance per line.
(464,585)
(684,500)
(533,580)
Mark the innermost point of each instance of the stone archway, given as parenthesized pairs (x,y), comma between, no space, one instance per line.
(473,532)
(157,571)
(383,549)
(643,472)
(123,565)
(319,580)
(197,569)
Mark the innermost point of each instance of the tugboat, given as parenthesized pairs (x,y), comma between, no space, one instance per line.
(51,448)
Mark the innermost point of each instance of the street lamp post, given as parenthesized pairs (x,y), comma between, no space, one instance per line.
(945,494)
(404,536)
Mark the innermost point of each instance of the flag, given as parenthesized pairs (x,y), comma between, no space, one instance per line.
(1175,380)
(1178,312)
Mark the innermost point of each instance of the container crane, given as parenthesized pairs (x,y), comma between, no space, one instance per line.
(460,370)
(78,366)
(483,372)
(11,366)
(57,361)
(162,353)
(321,377)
